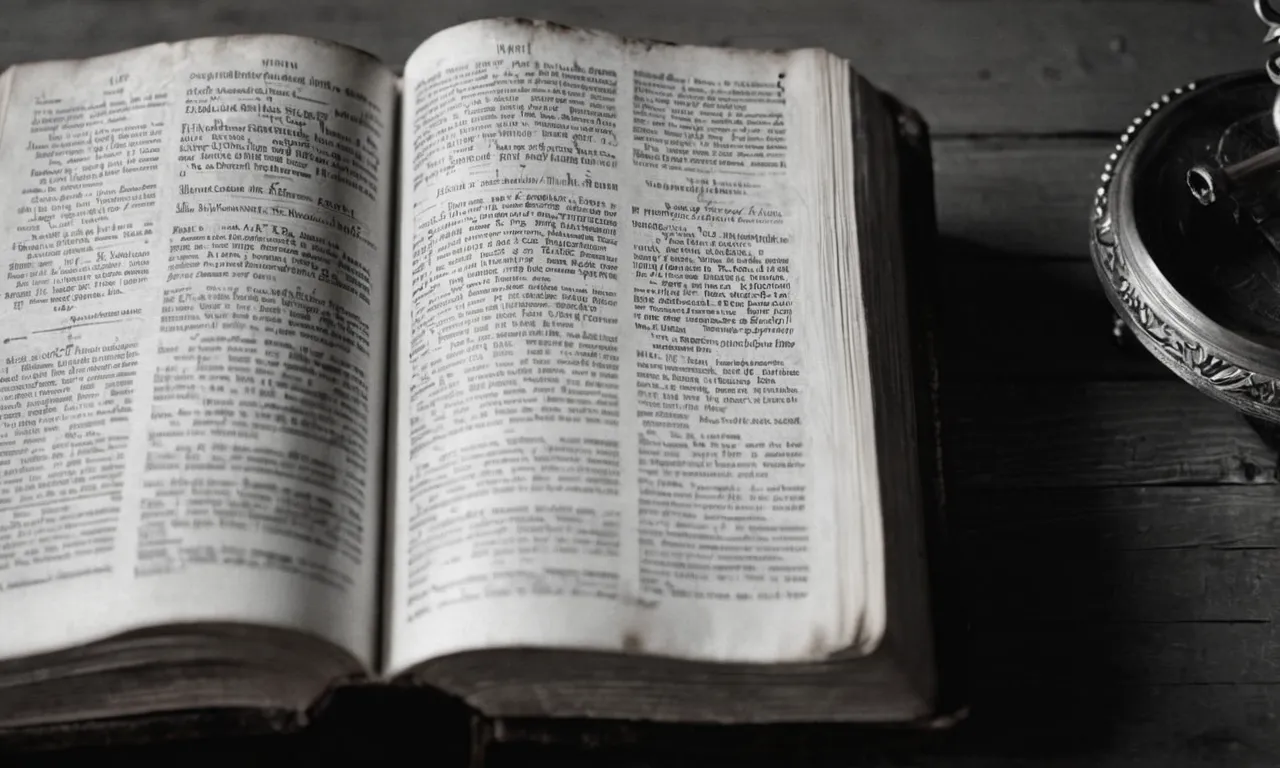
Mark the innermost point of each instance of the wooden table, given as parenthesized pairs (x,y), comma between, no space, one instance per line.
(1121,529)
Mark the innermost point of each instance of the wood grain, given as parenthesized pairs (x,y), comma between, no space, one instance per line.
(1019,197)
(1129,517)
(1012,725)
(1060,434)
(980,66)
(1125,725)
(1164,684)
(1115,555)
(1156,585)
(1143,617)
(1031,319)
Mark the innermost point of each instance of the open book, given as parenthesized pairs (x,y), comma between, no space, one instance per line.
(566,374)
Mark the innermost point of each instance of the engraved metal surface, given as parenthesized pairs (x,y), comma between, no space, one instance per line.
(1218,342)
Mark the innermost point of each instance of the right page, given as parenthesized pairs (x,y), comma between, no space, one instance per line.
(631,403)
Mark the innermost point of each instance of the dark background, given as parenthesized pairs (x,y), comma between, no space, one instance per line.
(1119,529)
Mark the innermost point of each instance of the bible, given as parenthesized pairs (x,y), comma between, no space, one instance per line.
(569,375)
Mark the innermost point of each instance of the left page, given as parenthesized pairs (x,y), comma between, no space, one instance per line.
(194,245)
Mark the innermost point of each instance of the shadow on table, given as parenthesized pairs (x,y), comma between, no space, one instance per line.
(1015,317)
(1051,660)
(361,726)
(1051,656)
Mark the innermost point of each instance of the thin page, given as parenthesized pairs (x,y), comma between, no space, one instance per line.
(612,430)
(195,267)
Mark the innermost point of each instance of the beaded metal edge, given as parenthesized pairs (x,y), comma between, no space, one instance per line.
(1247,390)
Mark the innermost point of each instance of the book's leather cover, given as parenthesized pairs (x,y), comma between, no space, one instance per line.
(364,724)
(188,726)
(945,583)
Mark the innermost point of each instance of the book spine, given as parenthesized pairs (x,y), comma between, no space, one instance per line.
(920,236)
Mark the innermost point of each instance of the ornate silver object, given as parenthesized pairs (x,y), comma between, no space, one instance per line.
(1186,233)
(1209,184)
(1197,285)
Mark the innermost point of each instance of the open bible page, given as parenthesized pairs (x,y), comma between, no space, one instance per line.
(612,429)
(195,270)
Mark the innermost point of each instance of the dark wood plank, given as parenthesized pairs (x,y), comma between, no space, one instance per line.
(1169,586)
(1123,725)
(1128,518)
(1171,673)
(1054,434)
(972,67)
(1029,319)
(1125,556)
(1068,655)
(1022,298)
(1137,586)
(1019,725)
(1142,618)
(1019,197)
